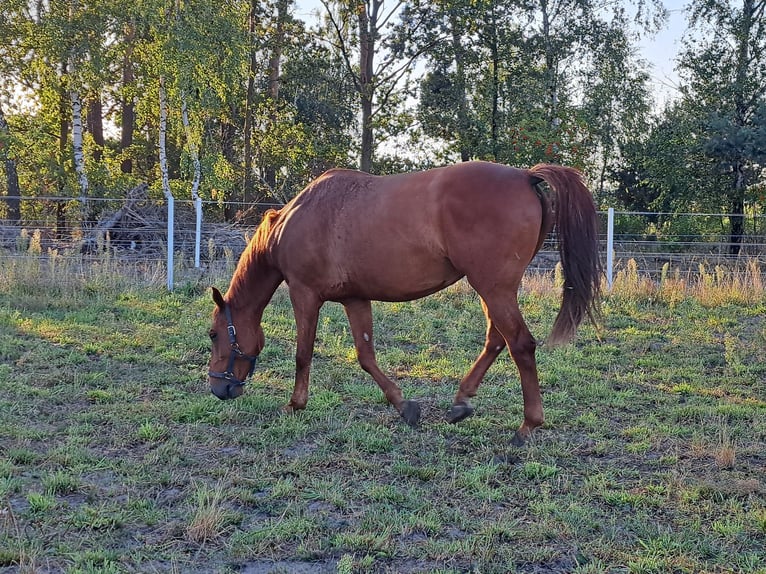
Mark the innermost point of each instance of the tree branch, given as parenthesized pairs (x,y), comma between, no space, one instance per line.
(342,45)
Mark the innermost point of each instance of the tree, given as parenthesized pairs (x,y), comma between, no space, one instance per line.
(254,46)
(13,190)
(314,80)
(380,61)
(444,111)
(9,40)
(464,99)
(725,68)
(276,50)
(617,102)
(524,82)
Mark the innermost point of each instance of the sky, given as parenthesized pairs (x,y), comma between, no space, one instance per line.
(662,50)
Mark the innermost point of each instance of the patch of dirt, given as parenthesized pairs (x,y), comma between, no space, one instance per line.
(288,567)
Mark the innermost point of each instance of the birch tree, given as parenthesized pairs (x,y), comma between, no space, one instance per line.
(162,150)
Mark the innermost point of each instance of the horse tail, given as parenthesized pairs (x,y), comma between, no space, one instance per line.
(577,227)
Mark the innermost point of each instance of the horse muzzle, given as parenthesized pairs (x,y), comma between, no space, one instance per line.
(225,389)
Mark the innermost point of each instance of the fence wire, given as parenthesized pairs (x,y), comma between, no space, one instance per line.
(131,235)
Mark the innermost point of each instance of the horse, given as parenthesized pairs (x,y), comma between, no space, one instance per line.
(352,238)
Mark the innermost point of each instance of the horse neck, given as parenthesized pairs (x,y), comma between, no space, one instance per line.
(252,287)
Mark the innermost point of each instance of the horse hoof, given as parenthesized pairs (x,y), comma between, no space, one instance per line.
(518,439)
(458,412)
(289,409)
(411,412)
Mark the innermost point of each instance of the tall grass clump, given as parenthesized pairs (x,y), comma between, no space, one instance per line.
(721,286)
(210,516)
(629,283)
(542,286)
(710,287)
(34,269)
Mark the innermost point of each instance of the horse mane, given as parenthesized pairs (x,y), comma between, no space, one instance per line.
(258,244)
(257,252)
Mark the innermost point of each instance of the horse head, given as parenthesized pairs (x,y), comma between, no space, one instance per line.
(236,346)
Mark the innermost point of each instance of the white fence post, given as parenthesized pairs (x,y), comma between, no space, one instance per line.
(171,247)
(609,247)
(198,232)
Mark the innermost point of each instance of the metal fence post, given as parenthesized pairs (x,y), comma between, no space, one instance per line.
(198,232)
(171,247)
(609,247)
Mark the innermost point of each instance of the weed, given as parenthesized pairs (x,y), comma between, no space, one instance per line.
(103,517)
(210,515)
(725,452)
(40,503)
(152,432)
(60,482)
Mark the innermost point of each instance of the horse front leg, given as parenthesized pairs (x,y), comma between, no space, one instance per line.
(359,313)
(306,309)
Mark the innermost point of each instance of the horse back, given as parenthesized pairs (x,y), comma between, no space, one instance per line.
(404,236)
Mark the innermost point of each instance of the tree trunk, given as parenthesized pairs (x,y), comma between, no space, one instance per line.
(64,107)
(741,109)
(737,210)
(228,137)
(247,176)
(275,60)
(95,125)
(550,68)
(495,84)
(12,199)
(78,154)
(462,109)
(193,149)
(163,138)
(128,114)
(367,35)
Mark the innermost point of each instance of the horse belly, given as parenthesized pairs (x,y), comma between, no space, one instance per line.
(401,277)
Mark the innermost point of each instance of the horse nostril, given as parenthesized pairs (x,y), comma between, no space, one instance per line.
(222,394)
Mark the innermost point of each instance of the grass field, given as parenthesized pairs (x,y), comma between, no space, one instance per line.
(114,457)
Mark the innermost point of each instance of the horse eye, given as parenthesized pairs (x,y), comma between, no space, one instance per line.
(213,335)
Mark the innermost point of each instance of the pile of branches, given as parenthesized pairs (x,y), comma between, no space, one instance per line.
(134,226)
(139,227)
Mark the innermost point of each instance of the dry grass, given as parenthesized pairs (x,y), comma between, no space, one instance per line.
(712,288)
(210,517)
(725,453)
(723,286)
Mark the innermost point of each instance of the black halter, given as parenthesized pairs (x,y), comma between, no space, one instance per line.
(236,353)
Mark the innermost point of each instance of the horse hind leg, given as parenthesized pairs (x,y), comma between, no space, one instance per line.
(494,343)
(359,313)
(506,318)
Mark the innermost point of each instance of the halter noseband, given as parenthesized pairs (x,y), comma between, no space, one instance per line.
(236,353)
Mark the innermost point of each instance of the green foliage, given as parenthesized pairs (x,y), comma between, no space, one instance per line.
(519,84)
(502,84)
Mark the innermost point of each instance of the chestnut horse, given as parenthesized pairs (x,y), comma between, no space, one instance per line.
(352,237)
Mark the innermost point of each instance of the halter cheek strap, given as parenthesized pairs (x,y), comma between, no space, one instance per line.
(236,353)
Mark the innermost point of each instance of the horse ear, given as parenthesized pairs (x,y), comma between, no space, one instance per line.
(218,298)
